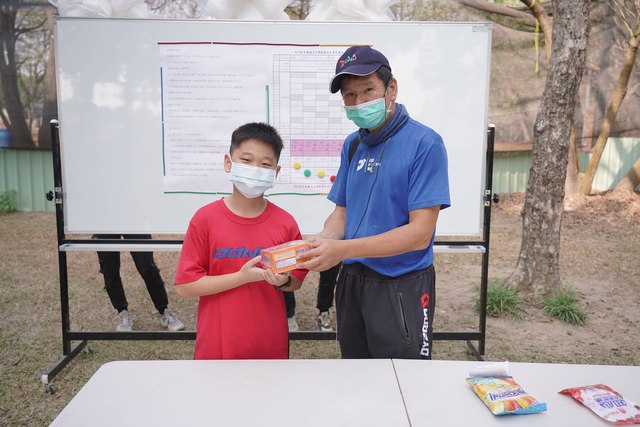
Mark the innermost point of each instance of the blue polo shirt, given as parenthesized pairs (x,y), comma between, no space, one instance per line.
(410,172)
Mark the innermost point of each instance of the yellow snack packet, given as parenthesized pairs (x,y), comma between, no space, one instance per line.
(503,395)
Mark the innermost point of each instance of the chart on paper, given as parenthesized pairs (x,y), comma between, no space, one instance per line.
(310,119)
(206,95)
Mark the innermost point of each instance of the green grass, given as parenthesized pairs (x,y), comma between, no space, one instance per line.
(8,201)
(502,300)
(563,305)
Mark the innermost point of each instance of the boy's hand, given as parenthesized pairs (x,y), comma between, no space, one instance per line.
(275,279)
(250,272)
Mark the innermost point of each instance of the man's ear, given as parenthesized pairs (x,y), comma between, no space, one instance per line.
(227,163)
(393,89)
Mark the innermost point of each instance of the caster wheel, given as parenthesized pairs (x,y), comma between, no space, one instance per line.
(50,388)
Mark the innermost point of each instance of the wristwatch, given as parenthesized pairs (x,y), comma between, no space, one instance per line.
(285,286)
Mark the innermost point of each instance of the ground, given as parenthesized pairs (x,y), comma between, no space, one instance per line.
(599,260)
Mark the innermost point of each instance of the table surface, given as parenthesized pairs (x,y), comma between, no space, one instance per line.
(440,391)
(239,393)
(282,393)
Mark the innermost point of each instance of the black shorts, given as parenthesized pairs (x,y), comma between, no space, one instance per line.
(385,317)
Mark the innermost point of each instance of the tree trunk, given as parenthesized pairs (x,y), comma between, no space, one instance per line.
(631,179)
(14,118)
(50,107)
(572,181)
(619,93)
(537,271)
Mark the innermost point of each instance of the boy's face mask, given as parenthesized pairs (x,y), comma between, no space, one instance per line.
(252,181)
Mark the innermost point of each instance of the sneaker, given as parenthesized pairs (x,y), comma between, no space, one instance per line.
(293,324)
(170,321)
(125,322)
(324,321)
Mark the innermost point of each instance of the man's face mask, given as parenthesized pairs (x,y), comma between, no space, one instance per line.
(252,181)
(368,115)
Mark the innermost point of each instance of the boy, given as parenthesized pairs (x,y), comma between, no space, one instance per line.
(241,312)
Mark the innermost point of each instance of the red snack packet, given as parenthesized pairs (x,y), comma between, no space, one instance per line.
(606,402)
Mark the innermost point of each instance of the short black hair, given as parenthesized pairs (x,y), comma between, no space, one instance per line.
(260,131)
(383,73)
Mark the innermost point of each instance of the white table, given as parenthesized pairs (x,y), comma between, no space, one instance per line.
(326,393)
(279,393)
(438,390)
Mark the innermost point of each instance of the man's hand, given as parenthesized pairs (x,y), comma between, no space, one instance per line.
(324,254)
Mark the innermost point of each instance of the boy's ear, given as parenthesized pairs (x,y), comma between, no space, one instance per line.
(278,170)
(227,163)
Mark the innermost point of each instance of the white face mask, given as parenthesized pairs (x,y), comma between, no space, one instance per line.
(252,181)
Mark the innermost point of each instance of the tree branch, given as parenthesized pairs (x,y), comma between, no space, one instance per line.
(485,6)
(540,13)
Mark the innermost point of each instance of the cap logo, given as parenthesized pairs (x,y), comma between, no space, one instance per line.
(348,59)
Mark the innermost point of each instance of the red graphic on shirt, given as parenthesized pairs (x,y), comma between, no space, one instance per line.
(425,300)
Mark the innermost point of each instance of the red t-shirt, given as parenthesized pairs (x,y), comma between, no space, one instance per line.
(250,321)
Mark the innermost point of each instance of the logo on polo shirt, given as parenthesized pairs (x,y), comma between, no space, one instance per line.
(236,253)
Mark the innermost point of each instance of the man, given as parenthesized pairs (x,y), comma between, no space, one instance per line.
(388,197)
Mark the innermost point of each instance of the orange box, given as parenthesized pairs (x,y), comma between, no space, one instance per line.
(281,258)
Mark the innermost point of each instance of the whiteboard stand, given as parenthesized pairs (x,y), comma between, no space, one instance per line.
(481,246)
(65,245)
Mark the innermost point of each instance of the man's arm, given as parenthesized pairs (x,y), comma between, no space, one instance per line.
(413,236)
(334,224)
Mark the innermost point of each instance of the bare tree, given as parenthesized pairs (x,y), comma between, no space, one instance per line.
(631,180)
(184,9)
(50,105)
(537,270)
(13,24)
(544,22)
(298,9)
(628,11)
(573,168)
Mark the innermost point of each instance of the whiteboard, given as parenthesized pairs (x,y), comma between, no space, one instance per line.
(111,135)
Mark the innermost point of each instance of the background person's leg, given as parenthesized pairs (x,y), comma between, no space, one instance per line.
(110,269)
(290,304)
(324,301)
(150,273)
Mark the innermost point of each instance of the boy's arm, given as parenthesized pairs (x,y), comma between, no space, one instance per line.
(209,285)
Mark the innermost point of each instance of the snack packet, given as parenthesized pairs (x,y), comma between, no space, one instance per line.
(503,395)
(606,402)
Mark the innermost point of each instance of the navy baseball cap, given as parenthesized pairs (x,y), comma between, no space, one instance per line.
(357,61)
